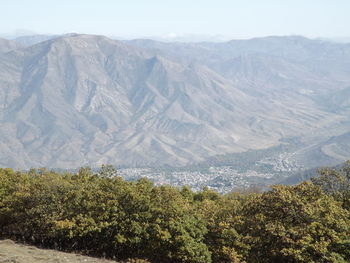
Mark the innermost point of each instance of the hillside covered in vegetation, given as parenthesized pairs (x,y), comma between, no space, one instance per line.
(103,215)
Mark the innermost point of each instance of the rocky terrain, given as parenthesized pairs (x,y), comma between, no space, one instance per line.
(8,45)
(10,252)
(80,100)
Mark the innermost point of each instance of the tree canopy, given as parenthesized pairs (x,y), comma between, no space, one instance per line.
(100,214)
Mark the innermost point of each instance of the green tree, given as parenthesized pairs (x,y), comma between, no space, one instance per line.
(296,224)
(336,182)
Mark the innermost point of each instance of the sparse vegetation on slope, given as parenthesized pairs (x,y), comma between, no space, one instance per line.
(89,99)
(10,252)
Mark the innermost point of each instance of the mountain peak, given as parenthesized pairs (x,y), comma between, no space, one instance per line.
(86,99)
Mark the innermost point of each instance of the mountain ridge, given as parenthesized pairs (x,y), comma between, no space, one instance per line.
(86,100)
(8,45)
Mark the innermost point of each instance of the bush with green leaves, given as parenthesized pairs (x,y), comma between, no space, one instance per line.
(101,214)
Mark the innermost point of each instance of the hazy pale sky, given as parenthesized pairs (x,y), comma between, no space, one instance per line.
(139,18)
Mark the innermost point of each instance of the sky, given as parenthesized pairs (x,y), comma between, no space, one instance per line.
(170,18)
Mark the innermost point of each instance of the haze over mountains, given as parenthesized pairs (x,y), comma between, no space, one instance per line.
(86,100)
(8,45)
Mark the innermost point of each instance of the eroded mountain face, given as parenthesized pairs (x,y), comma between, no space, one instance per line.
(85,100)
(8,45)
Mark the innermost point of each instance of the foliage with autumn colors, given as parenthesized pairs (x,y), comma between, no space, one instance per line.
(100,214)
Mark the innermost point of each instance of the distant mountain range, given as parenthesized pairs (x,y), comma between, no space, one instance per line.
(8,45)
(74,100)
(33,39)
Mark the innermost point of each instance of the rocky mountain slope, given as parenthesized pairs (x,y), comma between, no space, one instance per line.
(18,253)
(30,40)
(8,45)
(86,100)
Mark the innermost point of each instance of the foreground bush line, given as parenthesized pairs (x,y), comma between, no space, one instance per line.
(100,214)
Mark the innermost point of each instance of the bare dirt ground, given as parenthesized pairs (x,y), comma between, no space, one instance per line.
(11,252)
